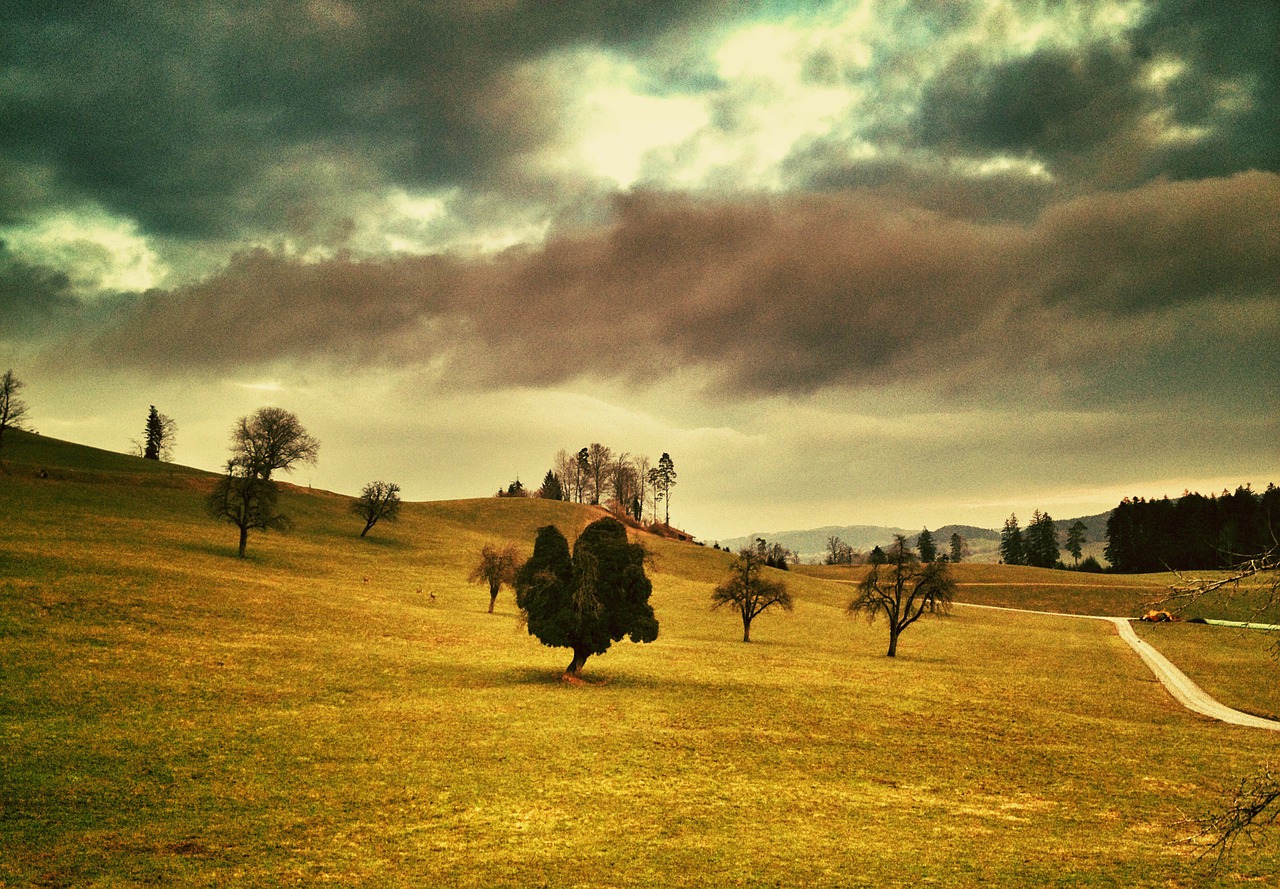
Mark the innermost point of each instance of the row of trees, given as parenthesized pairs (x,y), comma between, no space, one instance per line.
(841,553)
(587,600)
(625,483)
(1194,532)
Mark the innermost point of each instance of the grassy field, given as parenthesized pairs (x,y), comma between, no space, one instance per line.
(338,710)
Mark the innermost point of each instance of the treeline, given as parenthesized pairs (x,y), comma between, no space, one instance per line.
(1193,532)
(626,484)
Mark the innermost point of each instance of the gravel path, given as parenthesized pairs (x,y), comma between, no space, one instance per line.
(1184,691)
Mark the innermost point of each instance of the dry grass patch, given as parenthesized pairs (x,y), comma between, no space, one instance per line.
(173,715)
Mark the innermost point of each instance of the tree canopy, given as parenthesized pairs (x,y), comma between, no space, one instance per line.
(587,601)
(271,439)
(159,436)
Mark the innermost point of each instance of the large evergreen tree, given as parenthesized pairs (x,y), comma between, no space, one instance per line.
(158,438)
(590,600)
(927,547)
(1011,548)
(1040,543)
(551,488)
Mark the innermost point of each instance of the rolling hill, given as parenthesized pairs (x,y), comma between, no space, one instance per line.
(343,710)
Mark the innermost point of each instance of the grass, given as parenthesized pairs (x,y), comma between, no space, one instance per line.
(174,716)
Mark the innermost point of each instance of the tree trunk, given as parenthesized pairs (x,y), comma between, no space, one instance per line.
(244,540)
(493,597)
(574,669)
(366,529)
(746,628)
(893,641)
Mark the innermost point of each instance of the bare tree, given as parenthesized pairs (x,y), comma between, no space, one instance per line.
(1255,804)
(272,438)
(378,500)
(247,501)
(839,552)
(497,566)
(903,590)
(749,592)
(12,408)
(599,468)
(641,465)
(565,466)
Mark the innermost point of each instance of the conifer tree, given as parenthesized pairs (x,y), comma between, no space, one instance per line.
(1011,548)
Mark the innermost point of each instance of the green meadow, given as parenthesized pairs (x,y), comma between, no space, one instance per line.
(344,711)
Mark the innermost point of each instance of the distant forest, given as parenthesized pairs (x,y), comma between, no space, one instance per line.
(1193,532)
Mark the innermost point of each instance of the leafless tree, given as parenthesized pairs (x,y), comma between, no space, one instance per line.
(749,592)
(903,590)
(271,438)
(247,501)
(12,408)
(497,566)
(378,500)
(1255,803)
(599,468)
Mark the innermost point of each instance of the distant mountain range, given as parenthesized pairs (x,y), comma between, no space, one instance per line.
(983,543)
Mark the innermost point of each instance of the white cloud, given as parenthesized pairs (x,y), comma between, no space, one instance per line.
(100,253)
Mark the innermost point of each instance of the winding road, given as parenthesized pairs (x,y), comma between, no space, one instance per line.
(1184,691)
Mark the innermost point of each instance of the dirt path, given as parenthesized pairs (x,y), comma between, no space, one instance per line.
(1184,691)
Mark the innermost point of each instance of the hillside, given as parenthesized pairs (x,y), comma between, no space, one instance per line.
(340,710)
(983,543)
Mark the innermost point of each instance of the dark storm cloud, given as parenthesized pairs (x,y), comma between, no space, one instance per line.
(176,115)
(1054,101)
(760,297)
(1093,114)
(1231,83)
(31,296)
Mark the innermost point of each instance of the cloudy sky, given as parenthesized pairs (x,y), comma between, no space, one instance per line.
(877,261)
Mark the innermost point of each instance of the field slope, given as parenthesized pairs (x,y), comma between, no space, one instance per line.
(342,710)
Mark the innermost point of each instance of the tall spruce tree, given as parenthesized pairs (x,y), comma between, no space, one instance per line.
(927,547)
(1011,548)
(1040,543)
(551,489)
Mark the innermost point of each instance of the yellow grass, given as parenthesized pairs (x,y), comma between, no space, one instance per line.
(172,715)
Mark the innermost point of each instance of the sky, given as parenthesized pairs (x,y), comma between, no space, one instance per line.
(901,263)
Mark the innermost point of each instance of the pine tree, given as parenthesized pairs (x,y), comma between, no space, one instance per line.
(928,549)
(551,489)
(1040,544)
(1011,547)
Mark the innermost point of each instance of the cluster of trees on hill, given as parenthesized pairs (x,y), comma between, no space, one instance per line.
(627,484)
(1194,532)
(1037,546)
